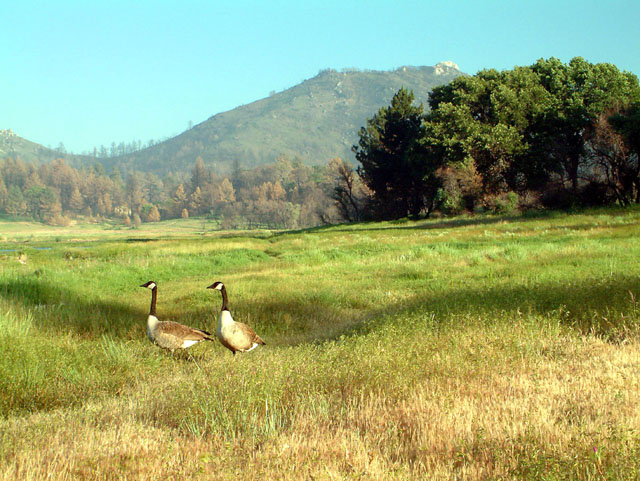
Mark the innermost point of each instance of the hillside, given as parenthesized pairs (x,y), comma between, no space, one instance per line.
(14,146)
(315,120)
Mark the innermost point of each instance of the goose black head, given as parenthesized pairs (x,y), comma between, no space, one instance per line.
(216,285)
(149,285)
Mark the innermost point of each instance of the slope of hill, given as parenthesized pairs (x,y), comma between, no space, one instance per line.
(16,147)
(315,120)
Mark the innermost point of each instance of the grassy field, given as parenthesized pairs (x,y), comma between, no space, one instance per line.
(470,348)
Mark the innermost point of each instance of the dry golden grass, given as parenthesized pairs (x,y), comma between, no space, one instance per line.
(498,417)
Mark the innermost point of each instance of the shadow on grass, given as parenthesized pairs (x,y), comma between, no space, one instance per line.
(397,225)
(58,308)
(141,239)
(604,306)
(600,305)
(471,222)
(456,222)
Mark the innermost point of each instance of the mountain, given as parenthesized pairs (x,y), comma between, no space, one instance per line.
(315,120)
(14,146)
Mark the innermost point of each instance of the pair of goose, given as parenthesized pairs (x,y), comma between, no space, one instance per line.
(235,336)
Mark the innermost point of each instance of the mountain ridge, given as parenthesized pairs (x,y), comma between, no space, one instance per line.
(315,120)
(14,146)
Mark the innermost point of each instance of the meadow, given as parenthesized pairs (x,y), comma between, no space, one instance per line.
(469,348)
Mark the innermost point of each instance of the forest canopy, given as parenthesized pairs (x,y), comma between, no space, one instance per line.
(547,135)
(285,194)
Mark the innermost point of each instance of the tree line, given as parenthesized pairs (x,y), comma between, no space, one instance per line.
(550,135)
(285,194)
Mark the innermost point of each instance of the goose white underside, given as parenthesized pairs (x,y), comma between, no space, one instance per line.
(255,344)
(186,344)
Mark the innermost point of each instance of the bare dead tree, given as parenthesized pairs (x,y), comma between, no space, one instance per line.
(612,159)
(349,193)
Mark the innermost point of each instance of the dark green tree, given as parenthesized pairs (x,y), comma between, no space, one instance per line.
(579,92)
(15,204)
(479,123)
(626,124)
(527,128)
(41,202)
(395,165)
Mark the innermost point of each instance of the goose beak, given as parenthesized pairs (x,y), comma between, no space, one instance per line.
(211,286)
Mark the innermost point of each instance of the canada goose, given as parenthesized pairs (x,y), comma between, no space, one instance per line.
(167,334)
(233,335)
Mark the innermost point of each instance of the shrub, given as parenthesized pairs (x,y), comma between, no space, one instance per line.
(507,203)
(460,191)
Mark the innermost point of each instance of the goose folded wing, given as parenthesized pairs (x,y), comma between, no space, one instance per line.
(183,332)
(248,333)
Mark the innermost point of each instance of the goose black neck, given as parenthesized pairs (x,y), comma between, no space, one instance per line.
(154,295)
(225,300)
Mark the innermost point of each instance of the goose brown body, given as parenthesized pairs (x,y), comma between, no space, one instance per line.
(235,336)
(168,334)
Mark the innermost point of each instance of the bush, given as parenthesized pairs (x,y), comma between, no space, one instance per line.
(460,191)
(530,200)
(507,203)
(449,202)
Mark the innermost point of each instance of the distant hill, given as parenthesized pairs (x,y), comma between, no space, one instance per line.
(315,121)
(14,146)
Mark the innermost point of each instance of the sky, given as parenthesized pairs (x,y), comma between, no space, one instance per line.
(86,74)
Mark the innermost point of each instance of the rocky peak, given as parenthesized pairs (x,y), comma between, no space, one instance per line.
(7,133)
(445,67)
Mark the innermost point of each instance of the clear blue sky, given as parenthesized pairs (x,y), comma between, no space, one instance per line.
(87,73)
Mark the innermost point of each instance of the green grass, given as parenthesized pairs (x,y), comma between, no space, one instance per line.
(469,348)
